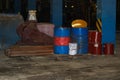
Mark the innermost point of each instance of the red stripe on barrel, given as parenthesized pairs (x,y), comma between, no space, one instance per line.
(61,41)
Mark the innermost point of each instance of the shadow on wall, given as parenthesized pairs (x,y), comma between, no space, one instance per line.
(8,25)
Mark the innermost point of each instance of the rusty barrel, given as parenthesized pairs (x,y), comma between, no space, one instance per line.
(97,49)
(108,49)
(94,36)
(61,40)
(90,47)
(94,42)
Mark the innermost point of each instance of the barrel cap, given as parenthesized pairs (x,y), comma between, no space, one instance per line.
(79,23)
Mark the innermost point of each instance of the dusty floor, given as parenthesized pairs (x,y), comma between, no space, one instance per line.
(85,67)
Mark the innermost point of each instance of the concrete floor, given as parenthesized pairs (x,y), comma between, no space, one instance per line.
(87,67)
(47,68)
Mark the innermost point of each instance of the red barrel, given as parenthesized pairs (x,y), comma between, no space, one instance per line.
(95,48)
(61,41)
(90,48)
(94,41)
(108,49)
(94,36)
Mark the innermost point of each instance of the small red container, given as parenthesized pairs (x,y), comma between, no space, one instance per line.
(61,41)
(94,36)
(108,49)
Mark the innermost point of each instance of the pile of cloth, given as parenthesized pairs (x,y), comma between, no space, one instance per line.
(33,33)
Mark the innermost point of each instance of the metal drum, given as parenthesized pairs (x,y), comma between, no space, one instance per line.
(79,31)
(82,48)
(80,36)
(97,49)
(108,49)
(80,39)
(64,41)
(61,40)
(90,48)
(94,36)
(61,32)
(61,49)
(94,41)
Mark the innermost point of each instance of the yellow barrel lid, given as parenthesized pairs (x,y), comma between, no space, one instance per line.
(79,23)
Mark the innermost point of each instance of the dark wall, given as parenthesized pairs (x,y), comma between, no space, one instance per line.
(43,10)
(8,25)
(118,15)
(24,9)
(6,6)
(79,9)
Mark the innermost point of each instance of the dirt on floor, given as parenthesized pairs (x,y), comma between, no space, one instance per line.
(85,67)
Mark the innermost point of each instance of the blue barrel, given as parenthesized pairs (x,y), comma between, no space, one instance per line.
(61,49)
(61,32)
(79,39)
(79,31)
(80,36)
(82,48)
